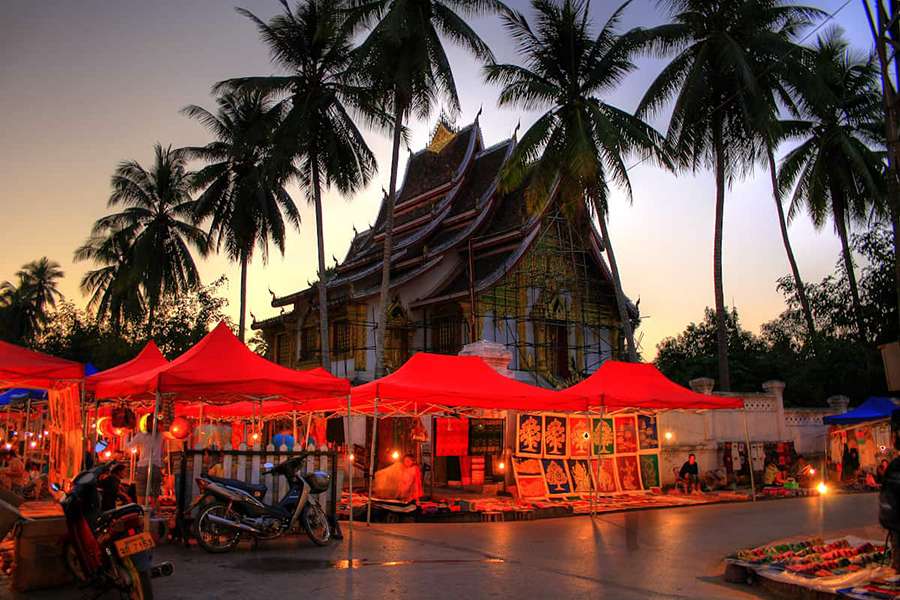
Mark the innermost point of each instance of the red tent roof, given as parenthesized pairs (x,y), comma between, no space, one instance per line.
(640,385)
(26,368)
(148,358)
(434,382)
(219,368)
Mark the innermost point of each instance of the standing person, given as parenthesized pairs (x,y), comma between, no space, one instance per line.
(690,475)
(149,449)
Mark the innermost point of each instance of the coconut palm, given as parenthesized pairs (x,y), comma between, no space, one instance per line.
(403,62)
(312,45)
(580,143)
(26,302)
(719,49)
(837,171)
(157,223)
(244,195)
(114,287)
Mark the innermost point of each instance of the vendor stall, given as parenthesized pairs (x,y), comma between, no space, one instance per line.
(859,440)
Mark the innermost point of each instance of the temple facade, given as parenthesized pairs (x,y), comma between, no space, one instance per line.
(468,263)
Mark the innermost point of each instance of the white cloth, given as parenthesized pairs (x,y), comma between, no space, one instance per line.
(149,448)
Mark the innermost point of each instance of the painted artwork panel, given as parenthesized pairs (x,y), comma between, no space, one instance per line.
(649,471)
(604,438)
(629,473)
(531,487)
(556,439)
(580,473)
(605,475)
(528,466)
(648,432)
(626,435)
(529,435)
(557,477)
(579,437)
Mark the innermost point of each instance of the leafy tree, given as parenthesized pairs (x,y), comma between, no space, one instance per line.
(719,49)
(244,196)
(837,170)
(312,44)
(403,62)
(25,305)
(580,143)
(114,287)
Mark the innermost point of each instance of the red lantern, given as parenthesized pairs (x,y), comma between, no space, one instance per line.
(104,427)
(180,428)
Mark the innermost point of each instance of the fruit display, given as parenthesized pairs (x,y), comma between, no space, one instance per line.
(814,558)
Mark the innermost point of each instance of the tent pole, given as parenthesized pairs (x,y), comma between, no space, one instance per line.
(294,425)
(749,455)
(153,432)
(27,423)
(372,461)
(308,429)
(349,440)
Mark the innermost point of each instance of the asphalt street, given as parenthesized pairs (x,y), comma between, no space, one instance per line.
(667,553)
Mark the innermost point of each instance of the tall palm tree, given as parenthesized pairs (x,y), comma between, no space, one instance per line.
(114,287)
(719,49)
(157,223)
(244,195)
(403,62)
(312,44)
(837,171)
(580,142)
(26,303)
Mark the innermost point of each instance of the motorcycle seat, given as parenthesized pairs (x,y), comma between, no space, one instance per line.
(250,487)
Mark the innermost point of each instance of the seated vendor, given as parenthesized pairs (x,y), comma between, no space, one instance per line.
(13,476)
(773,476)
(399,481)
(690,475)
(716,479)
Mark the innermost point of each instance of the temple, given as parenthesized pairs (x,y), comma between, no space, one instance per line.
(468,263)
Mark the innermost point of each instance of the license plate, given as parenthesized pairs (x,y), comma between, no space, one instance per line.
(134,544)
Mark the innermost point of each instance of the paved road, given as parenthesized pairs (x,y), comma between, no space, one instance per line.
(669,553)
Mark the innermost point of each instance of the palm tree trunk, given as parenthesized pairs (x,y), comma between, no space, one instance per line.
(381,335)
(242,320)
(840,223)
(620,294)
(323,292)
(721,331)
(795,271)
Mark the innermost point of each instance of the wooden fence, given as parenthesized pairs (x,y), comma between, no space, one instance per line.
(246,464)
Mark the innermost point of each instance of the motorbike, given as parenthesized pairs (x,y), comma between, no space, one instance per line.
(229,509)
(108,550)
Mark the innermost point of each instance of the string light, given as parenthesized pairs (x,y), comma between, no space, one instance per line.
(502,466)
(33,444)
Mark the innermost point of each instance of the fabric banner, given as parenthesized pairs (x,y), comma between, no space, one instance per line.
(529,474)
(579,437)
(66,437)
(452,437)
(628,473)
(649,471)
(626,435)
(485,436)
(648,433)
(582,481)
(557,477)
(605,475)
(529,435)
(604,438)
(556,438)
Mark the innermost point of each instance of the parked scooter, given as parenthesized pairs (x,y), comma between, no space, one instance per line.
(229,509)
(109,550)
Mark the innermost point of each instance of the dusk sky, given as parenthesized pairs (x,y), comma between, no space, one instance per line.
(85,84)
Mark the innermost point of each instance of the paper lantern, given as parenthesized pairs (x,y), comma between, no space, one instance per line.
(145,423)
(180,428)
(104,427)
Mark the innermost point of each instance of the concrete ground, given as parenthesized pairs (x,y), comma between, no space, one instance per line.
(666,553)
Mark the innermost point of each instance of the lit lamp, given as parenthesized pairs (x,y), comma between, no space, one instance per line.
(668,435)
(395,455)
(822,488)
(33,444)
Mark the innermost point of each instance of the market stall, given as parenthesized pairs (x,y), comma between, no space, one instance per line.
(859,440)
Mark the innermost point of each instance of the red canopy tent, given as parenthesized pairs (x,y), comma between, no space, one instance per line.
(148,358)
(640,385)
(437,383)
(221,369)
(21,367)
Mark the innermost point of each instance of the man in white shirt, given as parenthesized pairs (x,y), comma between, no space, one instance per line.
(149,454)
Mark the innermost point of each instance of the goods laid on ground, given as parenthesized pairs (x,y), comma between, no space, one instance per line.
(882,588)
(814,563)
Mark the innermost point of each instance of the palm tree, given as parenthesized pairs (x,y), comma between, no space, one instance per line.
(837,171)
(312,44)
(403,62)
(26,302)
(156,225)
(244,195)
(580,142)
(114,288)
(720,48)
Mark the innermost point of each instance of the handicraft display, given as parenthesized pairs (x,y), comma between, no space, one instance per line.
(649,470)
(529,473)
(580,470)
(626,435)
(648,435)
(627,470)
(556,440)
(605,475)
(529,435)
(604,438)
(579,437)
(485,436)
(557,477)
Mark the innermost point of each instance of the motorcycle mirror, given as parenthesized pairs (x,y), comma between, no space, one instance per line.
(54,487)
(268,466)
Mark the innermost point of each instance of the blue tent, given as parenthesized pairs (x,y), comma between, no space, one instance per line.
(16,394)
(871,410)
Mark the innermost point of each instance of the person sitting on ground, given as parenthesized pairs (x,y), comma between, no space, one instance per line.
(717,479)
(880,471)
(802,472)
(216,468)
(13,476)
(111,489)
(690,475)
(400,481)
(773,476)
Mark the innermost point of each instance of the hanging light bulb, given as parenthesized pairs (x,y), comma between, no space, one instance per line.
(502,466)
(668,435)
(8,446)
(33,444)
(395,455)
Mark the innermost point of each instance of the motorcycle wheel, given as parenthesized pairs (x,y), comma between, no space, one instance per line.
(74,563)
(316,524)
(138,586)
(212,537)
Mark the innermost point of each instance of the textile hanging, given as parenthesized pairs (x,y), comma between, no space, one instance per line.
(648,437)
(529,435)
(604,438)
(626,435)
(451,437)
(628,473)
(579,437)
(485,436)
(556,439)
(66,436)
